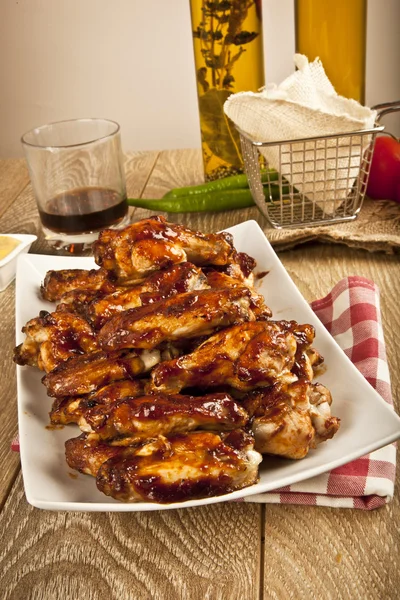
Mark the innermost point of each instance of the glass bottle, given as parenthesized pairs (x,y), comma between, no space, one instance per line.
(335,30)
(228,52)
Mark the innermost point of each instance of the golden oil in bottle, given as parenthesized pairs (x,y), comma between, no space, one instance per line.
(335,31)
(227,40)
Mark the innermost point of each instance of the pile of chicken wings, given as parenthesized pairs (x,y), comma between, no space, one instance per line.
(170,363)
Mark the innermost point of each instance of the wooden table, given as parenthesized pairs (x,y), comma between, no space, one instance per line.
(223,551)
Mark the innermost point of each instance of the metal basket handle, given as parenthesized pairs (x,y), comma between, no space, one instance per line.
(386,108)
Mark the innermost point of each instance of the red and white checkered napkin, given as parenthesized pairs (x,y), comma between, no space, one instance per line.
(352,315)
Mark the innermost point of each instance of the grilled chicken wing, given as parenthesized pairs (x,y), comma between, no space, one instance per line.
(152,244)
(58,283)
(52,338)
(182,467)
(85,374)
(306,357)
(188,315)
(288,420)
(217,279)
(183,277)
(240,267)
(135,420)
(86,455)
(244,357)
(76,301)
(71,409)
(320,410)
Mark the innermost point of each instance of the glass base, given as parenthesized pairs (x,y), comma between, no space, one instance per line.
(78,244)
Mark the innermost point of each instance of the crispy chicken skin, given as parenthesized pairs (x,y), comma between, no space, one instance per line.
(58,283)
(177,279)
(240,267)
(187,466)
(306,357)
(217,279)
(71,409)
(187,315)
(324,424)
(86,455)
(85,374)
(244,357)
(135,420)
(288,420)
(52,338)
(76,301)
(152,244)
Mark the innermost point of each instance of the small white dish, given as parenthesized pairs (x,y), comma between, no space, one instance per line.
(367,422)
(8,265)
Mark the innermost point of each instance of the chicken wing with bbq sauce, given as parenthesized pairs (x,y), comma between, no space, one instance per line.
(52,338)
(187,315)
(86,374)
(71,409)
(217,279)
(306,356)
(153,244)
(134,420)
(306,363)
(177,279)
(245,357)
(76,301)
(198,464)
(240,267)
(325,425)
(286,423)
(87,456)
(58,283)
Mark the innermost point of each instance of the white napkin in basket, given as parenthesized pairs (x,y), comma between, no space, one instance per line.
(306,105)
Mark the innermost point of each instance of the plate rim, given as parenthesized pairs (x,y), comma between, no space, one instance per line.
(110,505)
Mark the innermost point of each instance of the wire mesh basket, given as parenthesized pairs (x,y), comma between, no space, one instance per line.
(315,181)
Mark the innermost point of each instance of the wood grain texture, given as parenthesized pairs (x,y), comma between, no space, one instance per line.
(178,168)
(13,177)
(208,552)
(324,552)
(8,398)
(331,553)
(211,552)
(192,553)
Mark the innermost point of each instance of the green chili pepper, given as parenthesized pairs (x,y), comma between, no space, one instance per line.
(207,201)
(234,182)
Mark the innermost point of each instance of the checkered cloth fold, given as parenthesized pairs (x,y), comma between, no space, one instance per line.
(351,313)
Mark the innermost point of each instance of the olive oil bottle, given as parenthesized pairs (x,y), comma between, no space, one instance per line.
(228,52)
(335,31)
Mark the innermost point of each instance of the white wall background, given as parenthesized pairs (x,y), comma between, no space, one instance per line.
(132,61)
(383,57)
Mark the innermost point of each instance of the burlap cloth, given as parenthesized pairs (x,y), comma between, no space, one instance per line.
(376,229)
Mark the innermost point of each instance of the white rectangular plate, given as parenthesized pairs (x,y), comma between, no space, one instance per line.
(367,422)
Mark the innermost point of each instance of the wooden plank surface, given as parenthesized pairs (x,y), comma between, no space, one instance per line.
(225,551)
(210,552)
(171,554)
(13,179)
(338,553)
(8,398)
